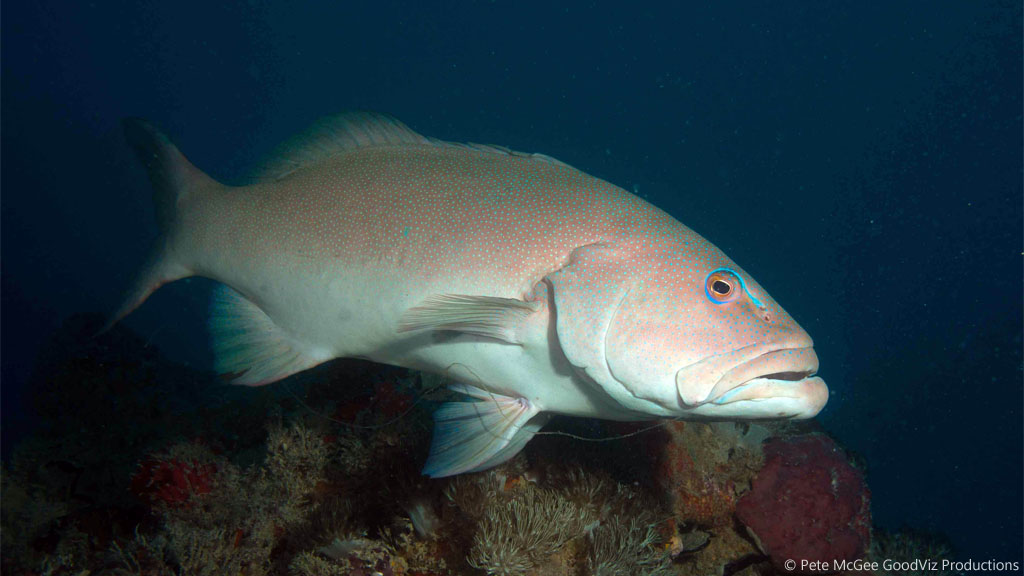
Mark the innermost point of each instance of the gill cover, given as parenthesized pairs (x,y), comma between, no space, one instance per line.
(590,291)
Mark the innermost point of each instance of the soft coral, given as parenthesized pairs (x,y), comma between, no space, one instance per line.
(172,481)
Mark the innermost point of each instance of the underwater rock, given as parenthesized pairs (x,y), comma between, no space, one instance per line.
(703,467)
(808,503)
(727,553)
(688,541)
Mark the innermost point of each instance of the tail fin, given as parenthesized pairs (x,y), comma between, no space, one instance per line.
(174,180)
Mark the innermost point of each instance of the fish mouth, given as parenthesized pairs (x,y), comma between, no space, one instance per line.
(757,386)
(774,383)
(768,397)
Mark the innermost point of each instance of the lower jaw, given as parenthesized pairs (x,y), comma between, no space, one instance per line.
(766,398)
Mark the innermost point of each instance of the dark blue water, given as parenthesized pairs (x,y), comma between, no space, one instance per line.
(862,160)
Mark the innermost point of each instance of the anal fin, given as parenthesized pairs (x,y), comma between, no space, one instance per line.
(248,345)
(477,435)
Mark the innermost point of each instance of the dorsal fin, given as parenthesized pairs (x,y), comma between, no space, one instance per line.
(334,135)
(351,130)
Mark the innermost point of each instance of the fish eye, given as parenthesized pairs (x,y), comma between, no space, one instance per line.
(722,286)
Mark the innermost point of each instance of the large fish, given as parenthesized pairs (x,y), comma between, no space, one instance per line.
(538,288)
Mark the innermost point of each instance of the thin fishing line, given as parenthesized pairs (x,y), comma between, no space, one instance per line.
(607,438)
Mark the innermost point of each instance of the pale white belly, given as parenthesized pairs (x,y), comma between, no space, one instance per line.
(354,314)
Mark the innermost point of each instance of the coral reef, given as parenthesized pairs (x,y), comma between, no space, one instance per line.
(31,507)
(559,520)
(704,467)
(175,478)
(309,564)
(239,517)
(627,548)
(903,553)
(808,503)
(145,467)
(525,531)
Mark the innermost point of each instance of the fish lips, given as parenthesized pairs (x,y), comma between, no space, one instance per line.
(767,398)
(774,383)
(797,399)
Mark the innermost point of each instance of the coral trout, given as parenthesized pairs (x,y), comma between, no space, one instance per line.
(536,287)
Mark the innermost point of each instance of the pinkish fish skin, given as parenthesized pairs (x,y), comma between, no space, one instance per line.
(537,287)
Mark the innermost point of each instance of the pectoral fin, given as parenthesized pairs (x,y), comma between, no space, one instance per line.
(487,316)
(477,435)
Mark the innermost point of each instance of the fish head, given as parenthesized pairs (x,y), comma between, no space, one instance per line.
(688,333)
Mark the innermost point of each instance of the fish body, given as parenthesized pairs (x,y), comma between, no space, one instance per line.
(538,288)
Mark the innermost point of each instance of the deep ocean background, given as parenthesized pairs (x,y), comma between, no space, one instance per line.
(862,160)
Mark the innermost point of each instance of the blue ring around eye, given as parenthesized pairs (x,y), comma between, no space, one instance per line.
(742,285)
